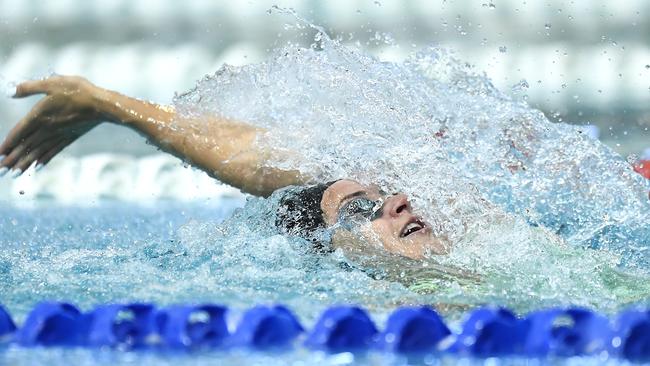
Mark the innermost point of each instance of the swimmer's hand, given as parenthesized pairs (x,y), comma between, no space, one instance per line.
(225,149)
(65,113)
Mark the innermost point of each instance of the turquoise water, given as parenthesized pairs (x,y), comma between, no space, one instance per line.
(170,253)
(116,252)
(541,214)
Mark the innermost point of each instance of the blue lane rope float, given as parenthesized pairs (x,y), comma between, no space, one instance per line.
(485,332)
(7,325)
(413,330)
(491,332)
(266,327)
(116,324)
(52,324)
(632,335)
(342,328)
(187,326)
(567,332)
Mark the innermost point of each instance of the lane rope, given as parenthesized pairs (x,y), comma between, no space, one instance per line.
(484,332)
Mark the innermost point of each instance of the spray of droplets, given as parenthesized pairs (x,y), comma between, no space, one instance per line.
(525,200)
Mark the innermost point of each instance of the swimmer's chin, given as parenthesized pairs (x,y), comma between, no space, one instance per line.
(431,245)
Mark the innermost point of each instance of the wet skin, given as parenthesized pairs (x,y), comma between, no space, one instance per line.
(390,230)
(224,149)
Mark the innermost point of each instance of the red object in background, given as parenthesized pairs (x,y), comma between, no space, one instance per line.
(643,168)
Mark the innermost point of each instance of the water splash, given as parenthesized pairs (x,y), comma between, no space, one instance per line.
(121,252)
(433,122)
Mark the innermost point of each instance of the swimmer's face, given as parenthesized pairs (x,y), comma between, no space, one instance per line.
(386,220)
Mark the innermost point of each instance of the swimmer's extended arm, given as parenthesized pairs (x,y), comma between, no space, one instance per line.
(224,149)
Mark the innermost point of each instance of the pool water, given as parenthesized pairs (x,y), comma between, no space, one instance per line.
(120,252)
(168,253)
(541,214)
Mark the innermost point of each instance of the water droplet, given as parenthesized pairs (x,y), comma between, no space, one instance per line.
(503,49)
(647,67)
(632,159)
(377,3)
(547,25)
(521,85)
(21,192)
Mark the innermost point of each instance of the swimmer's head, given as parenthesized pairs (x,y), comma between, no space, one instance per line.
(299,214)
(377,218)
(358,215)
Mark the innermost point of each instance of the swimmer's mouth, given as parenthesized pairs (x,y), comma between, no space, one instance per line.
(412,227)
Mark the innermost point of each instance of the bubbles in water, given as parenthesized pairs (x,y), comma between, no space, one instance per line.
(528,195)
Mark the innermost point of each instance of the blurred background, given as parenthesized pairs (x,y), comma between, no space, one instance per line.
(583,61)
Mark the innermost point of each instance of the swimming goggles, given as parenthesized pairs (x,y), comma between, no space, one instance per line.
(358,211)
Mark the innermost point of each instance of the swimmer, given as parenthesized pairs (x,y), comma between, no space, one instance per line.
(225,150)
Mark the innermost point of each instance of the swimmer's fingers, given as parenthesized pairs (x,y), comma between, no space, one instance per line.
(30,157)
(37,147)
(33,87)
(16,158)
(58,84)
(45,158)
(23,129)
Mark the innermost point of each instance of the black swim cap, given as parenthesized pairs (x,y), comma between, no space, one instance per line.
(299,214)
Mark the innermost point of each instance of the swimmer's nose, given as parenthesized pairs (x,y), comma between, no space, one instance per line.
(397,205)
